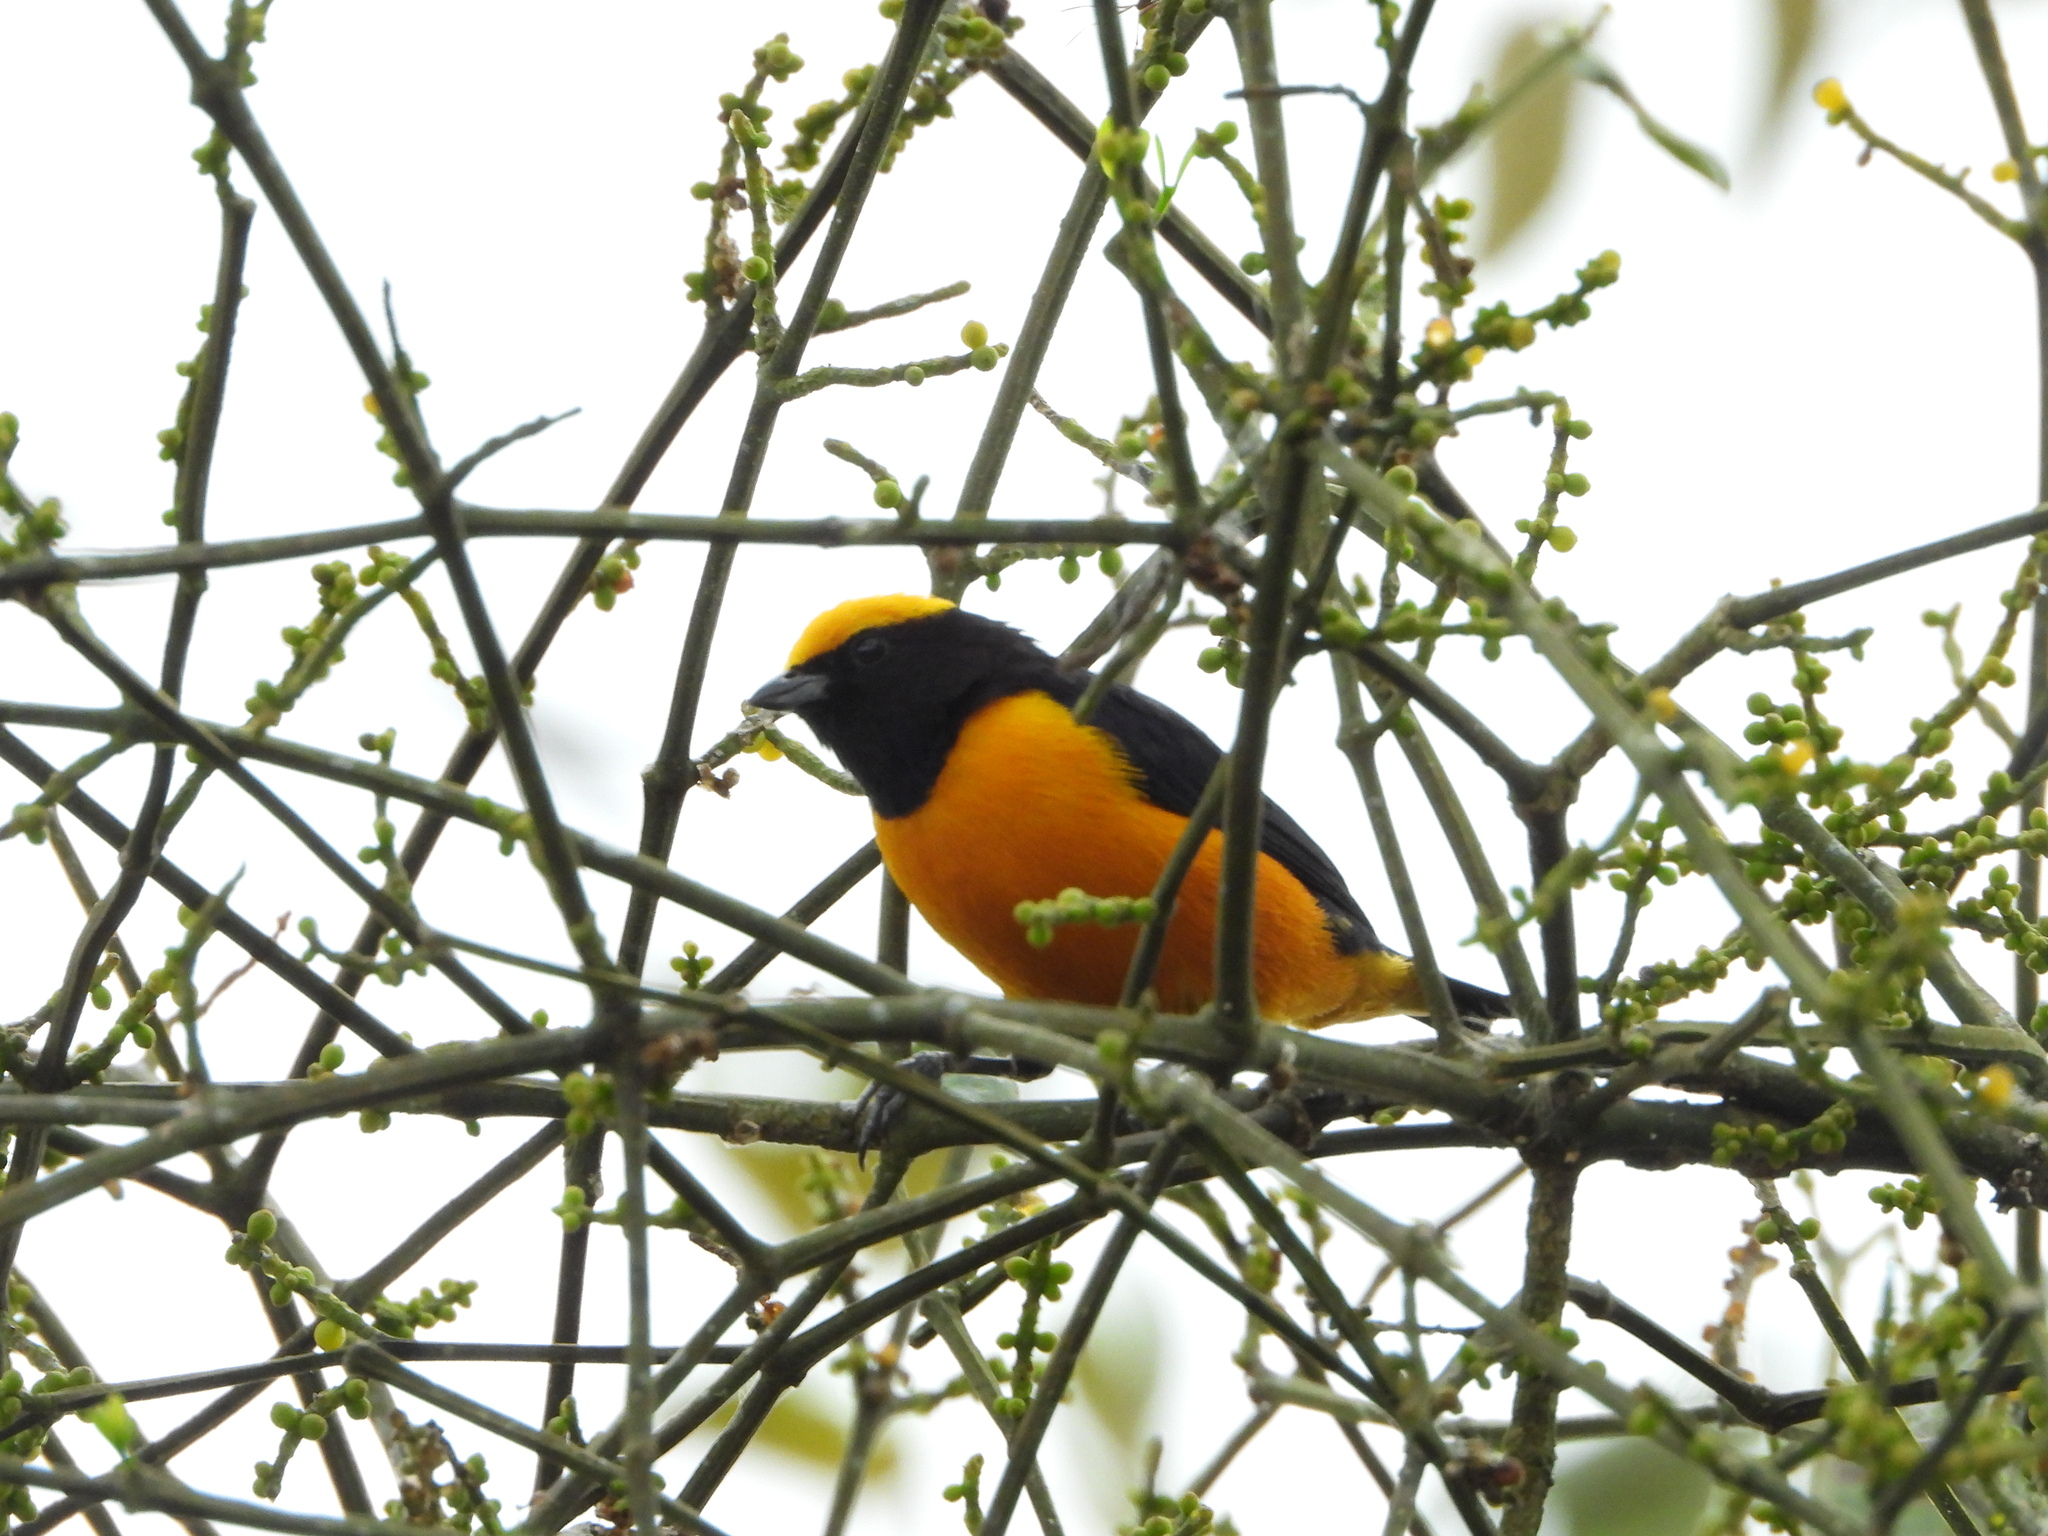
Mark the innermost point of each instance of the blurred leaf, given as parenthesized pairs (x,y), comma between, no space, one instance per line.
(1795,24)
(1688,154)
(922,1176)
(1630,1488)
(807,1426)
(1117,1376)
(1525,149)
(803,1425)
(777,1173)
(1437,147)
(1842,1485)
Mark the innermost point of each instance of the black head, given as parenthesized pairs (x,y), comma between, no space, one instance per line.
(887,683)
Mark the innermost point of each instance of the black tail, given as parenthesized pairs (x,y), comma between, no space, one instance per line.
(1476,1005)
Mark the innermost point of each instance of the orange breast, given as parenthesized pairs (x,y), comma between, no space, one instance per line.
(1030,804)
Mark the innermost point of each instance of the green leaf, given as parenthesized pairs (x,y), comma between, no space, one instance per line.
(809,1424)
(780,1171)
(802,1426)
(1595,71)
(777,1173)
(1795,25)
(1117,1376)
(1630,1488)
(110,1417)
(1526,144)
(1844,1486)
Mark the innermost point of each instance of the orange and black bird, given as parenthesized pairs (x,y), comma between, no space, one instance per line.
(987,793)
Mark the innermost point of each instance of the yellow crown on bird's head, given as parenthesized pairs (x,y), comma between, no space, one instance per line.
(835,626)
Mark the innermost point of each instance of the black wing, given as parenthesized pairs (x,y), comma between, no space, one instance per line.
(1174,761)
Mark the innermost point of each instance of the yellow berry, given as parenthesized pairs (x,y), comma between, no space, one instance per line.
(1829,95)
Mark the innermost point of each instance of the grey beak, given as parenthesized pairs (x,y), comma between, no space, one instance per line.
(792,691)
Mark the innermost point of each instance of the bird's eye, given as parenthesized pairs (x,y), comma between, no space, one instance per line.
(867,650)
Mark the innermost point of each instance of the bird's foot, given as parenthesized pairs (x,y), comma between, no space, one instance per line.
(879,1107)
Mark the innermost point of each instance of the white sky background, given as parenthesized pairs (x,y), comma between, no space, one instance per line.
(1822,366)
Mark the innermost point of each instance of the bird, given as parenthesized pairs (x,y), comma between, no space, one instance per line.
(987,793)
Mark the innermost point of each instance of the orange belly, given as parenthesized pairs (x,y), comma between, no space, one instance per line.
(1031,804)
